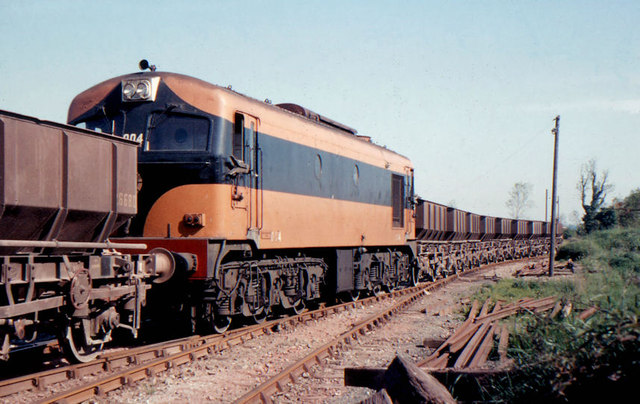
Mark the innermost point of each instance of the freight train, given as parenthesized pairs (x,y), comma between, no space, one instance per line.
(224,208)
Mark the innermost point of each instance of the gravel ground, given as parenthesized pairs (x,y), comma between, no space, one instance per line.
(232,373)
(430,319)
(227,375)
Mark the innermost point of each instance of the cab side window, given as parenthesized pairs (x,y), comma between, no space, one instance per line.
(397,200)
(238,137)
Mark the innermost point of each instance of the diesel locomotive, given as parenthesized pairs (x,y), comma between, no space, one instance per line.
(278,204)
(225,208)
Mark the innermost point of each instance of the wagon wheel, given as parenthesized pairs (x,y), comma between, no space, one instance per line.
(210,322)
(74,344)
(452,269)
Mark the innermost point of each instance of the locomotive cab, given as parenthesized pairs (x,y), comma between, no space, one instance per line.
(179,144)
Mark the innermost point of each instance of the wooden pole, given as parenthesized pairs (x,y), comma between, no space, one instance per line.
(552,254)
(546,210)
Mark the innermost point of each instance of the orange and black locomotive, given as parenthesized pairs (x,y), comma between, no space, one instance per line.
(278,205)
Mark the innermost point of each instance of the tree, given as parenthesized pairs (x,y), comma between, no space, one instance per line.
(593,188)
(629,209)
(606,218)
(518,201)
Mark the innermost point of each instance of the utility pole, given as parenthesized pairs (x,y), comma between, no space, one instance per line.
(552,254)
(546,199)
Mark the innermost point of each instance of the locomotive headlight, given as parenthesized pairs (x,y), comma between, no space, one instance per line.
(140,89)
(143,90)
(128,91)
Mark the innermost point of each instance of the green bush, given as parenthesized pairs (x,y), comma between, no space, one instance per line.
(576,250)
(626,261)
(569,232)
(624,238)
(566,359)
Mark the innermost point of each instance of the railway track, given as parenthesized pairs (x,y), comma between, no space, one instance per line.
(117,369)
(312,368)
(264,392)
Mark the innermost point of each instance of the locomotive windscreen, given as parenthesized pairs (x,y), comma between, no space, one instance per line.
(177,132)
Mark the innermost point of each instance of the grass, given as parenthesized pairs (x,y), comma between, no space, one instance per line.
(568,359)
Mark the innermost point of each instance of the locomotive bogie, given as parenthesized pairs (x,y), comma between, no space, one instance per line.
(370,270)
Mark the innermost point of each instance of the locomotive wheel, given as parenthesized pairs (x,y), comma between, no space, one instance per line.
(351,296)
(390,287)
(298,306)
(74,345)
(221,324)
(414,276)
(377,290)
(260,315)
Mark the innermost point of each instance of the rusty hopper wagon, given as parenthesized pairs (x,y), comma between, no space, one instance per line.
(62,191)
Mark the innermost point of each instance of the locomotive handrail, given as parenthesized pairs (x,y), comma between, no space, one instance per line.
(70,244)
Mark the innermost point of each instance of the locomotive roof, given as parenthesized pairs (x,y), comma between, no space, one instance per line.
(192,92)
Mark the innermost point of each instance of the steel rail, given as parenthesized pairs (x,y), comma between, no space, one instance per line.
(159,357)
(105,362)
(152,356)
(262,393)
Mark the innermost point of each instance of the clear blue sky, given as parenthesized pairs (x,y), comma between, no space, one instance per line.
(467,90)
